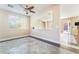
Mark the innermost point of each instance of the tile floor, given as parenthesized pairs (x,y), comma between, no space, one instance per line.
(30,46)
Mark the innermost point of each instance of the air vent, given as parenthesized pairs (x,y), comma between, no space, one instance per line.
(11,6)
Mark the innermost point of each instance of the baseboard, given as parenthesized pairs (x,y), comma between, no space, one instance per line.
(14,38)
(43,40)
(46,41)
(56,44)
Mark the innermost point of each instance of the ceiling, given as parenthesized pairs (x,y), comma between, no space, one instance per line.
(17,8)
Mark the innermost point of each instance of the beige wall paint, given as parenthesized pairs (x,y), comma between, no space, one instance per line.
(55,20)
(54,33)
(6,31)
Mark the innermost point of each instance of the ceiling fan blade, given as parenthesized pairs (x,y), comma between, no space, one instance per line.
(27,8)
(31,7)
(32,11)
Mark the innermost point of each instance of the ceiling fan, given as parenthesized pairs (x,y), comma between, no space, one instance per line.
(28,9)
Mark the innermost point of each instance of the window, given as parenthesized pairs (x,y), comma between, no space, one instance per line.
(14,22)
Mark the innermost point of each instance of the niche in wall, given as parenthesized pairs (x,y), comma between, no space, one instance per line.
(47,20)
